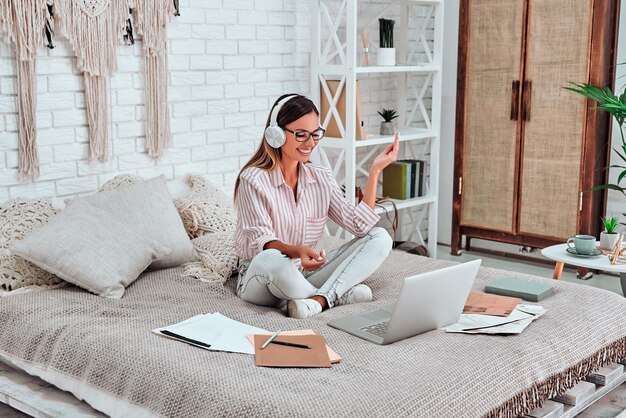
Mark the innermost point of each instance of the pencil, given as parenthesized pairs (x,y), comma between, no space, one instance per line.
(289,344)
(269,340)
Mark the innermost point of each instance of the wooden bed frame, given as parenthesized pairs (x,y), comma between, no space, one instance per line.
(39,399)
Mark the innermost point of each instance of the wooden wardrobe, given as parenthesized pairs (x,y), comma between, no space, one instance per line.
(526,148)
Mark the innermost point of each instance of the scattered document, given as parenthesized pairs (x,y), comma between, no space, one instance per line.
(514,323)
(213,332)
(486,304)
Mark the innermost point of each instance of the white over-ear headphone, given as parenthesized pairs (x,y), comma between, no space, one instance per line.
(274,134)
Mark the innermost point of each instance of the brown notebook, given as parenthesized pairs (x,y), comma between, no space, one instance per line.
(276,355)
(334,357)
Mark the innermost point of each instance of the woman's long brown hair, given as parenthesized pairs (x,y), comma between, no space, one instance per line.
(268,158)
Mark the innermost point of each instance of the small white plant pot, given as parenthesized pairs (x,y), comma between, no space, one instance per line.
(386,56)
(387,128)
(608,241)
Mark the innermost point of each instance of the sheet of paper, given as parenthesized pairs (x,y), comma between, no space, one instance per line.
(475,321)
(485,324)
(531,309)
(233,338)
(488,304)
(216,330)
(204,328)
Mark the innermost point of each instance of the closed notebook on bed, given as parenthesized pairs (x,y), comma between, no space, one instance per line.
(531,291)
(334,357)
(277,355)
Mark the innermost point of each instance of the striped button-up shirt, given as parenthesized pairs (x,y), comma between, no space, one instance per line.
(267,209)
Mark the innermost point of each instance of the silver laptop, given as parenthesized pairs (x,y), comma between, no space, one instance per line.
(426,302)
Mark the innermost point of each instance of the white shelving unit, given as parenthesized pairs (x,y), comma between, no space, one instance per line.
(336,48)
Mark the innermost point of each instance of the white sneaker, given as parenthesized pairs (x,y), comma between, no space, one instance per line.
(356,294)
(303,308)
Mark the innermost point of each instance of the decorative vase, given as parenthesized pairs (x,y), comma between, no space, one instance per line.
(386,56)
(387,128)
(608,241)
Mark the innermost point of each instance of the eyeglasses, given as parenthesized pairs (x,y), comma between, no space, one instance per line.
(303,136)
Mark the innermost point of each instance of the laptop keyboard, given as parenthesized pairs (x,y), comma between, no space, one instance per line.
(379,329)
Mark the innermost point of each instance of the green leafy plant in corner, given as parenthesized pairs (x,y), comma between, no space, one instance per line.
(388,114)
(616,106)
(610,224)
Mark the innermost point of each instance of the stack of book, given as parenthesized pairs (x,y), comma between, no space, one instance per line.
(405,179)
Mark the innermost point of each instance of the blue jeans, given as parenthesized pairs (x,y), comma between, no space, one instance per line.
(271,278)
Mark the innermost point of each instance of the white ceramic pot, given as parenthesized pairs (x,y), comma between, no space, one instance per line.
(387,128)
(386,56)
(608,241)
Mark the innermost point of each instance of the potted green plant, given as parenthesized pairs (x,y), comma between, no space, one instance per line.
(616,106)
(386,52)
(386,126)
(609,236)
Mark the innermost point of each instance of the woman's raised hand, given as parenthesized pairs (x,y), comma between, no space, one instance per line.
(389,155)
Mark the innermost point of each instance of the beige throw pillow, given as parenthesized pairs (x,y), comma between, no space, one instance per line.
(88,247)
(206,210)
(218,258)
(148,207)
(17,218)
(121,180)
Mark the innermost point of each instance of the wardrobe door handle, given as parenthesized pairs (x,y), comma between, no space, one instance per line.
(526,99)
(514,99)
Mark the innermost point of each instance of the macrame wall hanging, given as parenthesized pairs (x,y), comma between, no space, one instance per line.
(26,23)
(151,17)
(94,28)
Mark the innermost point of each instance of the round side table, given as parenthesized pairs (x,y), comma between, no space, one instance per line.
(601,262)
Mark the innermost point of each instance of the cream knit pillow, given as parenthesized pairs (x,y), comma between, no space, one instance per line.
(207,209)
(218,258)
(121,180)
(17,218)
(91,248)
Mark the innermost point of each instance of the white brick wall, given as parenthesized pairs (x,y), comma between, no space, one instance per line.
(229,60)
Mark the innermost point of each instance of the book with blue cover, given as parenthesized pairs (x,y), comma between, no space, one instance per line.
(527,290)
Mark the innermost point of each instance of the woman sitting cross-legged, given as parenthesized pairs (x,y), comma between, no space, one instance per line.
(283,203)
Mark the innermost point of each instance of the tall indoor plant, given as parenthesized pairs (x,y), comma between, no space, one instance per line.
(616,106)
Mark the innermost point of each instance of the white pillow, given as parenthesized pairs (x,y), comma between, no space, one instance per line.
(149,208)
(177,188)
(91,248)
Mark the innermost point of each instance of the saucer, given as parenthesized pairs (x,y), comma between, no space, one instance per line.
(572,251)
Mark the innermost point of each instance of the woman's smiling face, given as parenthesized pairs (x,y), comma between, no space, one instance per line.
(300,151)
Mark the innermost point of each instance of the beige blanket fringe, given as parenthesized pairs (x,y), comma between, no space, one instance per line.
(199,271)
(151,17)
(23,23)
(538,393)
(94,28)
